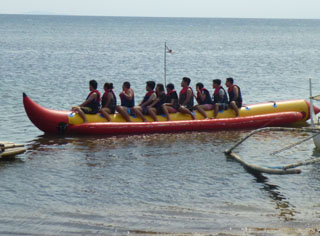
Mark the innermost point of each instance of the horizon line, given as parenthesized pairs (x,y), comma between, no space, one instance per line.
(36,13)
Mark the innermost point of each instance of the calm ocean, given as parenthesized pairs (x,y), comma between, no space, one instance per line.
(162,183)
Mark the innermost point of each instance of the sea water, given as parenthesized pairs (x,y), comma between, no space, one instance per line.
(160,183)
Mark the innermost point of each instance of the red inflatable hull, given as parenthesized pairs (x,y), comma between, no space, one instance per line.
(249,122)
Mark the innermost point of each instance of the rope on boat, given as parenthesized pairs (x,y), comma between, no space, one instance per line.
(281,170)
(308,130)
(294,144)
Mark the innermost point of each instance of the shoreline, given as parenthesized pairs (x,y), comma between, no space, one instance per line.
(293,231)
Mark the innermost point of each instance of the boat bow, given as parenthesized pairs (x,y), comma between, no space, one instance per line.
(47,120)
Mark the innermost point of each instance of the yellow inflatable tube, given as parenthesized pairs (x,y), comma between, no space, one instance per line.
(249,110)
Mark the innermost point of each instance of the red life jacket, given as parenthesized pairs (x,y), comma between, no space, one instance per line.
(230,88)
(172,91)
(184,90)
(207,100)
(148,94)
(217,98)
(105,95)
(231,94)
(124,101)
(95,91)
(216,91)
(146,97)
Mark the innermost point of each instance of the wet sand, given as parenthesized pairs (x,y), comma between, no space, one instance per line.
(314,231)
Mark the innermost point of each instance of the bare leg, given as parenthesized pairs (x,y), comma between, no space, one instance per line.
(105,112)
(123,112)
(235,108)
(138,111)
(165,111)
(187,111)
(201,109)
(81,113)
(216,110)
(152,112)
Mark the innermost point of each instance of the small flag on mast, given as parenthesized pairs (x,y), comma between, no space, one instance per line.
(168,49)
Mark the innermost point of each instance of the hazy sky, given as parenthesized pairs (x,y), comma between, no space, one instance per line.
(170,8)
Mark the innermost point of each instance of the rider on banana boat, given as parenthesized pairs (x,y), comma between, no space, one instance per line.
(220,98)
(127,101)
(204,100)
(235,97)
(156,106)
(186,98)
(108,101)
(92,103)
(150,96)
(172,102)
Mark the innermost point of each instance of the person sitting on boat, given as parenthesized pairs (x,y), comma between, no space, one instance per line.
(220,98)
(108,101)
(150,96)
(204,100)
(186,98)
(156,106)
(172,102)
(235,97)
(92,103)
(127,101)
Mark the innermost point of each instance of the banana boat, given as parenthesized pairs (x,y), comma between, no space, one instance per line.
(268,114)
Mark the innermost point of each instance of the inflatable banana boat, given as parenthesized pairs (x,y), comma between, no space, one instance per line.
(260,115)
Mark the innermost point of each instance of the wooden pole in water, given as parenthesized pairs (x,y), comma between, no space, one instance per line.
(266,170)
(311,104)
(302,163)
(308,130)
(165,64)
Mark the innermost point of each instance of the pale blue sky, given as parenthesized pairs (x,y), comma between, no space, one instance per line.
(169,8)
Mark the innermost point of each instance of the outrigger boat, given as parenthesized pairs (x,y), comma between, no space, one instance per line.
(269,114)
(314,120)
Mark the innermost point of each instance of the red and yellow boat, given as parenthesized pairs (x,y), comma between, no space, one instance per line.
(269,114)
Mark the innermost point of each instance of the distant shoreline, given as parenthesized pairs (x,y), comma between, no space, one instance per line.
(164,17)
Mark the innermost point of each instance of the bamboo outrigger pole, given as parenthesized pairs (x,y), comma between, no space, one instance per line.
(279,170)
(165,63)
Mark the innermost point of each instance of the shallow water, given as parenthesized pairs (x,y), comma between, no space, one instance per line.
(175,183)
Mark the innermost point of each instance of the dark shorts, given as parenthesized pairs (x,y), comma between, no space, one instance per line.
(188,107)
(239,104)
(112,109)
(176,106)
(89,110)
(159,110)
(130,111)
(144,110)
(223,106)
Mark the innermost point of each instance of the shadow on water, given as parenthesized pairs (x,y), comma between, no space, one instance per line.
(6,161)
(167,139)
(287,211)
